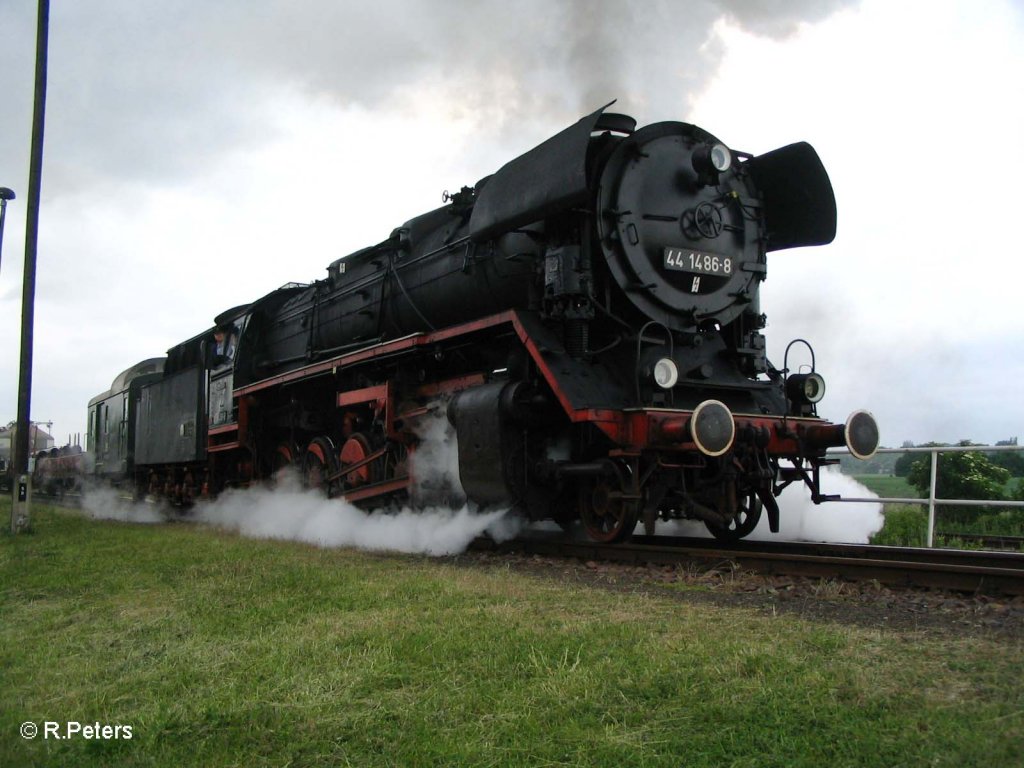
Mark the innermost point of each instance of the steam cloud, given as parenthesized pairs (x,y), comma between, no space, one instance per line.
(802,520)
(291,513)
(840,522)
(308,517)
(182,86)
(104,503)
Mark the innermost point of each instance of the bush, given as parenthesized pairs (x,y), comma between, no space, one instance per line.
(905,526)
(999,522)
(968,475)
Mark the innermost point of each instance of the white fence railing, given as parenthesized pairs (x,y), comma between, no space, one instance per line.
(932,501)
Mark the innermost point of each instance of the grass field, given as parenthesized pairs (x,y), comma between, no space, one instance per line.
(889,486)
(892,487)
(223,651)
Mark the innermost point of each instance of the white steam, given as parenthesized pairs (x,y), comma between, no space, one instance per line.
(288,512)
(434,465)
(839,522)
(105,503)
(291,513)
(802,520)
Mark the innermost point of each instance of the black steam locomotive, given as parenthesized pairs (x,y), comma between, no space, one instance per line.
(587,319)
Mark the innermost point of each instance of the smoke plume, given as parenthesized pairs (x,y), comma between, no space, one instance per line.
(838,522)
(802,520)
(297,515)
(158,90)
(288,512)
(106,503)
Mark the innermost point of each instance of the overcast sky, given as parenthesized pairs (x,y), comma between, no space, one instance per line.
(199,155)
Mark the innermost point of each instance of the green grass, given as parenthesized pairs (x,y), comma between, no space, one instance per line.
(889,486)
(892,487)
(222,651)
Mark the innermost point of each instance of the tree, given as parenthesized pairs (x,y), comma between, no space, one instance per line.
(966,475)
(907,460)
(1011,460)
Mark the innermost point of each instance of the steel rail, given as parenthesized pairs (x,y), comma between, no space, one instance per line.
(957,570)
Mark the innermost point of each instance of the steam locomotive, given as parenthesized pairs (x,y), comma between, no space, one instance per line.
(59,470)
(587,319)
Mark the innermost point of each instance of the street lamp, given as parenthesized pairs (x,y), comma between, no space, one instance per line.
(5,195)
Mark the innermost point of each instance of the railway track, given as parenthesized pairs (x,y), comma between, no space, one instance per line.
(957,570)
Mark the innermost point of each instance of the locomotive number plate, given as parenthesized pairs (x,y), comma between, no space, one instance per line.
(698,262)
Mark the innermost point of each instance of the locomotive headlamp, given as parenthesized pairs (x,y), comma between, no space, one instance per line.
(721,158)
(711,159)
(666,373)
(805,387)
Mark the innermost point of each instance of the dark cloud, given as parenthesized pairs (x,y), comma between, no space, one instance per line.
(566,55)
(138,92)
(779,18)
(148,90)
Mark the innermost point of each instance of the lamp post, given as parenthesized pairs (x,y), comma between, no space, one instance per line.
(21,502)
(5,195)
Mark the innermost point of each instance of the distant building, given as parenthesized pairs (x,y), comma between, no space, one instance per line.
(39,440)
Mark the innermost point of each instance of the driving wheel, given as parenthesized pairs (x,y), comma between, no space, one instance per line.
(743,522)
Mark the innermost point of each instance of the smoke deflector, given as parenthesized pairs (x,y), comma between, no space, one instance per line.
(549,178)
(799,204)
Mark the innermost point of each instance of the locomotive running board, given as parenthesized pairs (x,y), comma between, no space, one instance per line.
(386,348)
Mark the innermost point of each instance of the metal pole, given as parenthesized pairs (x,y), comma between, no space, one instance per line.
(20,511)
(931,499)
(5,194)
